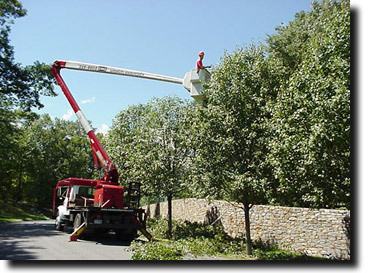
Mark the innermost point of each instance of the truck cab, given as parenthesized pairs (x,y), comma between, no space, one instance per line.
(69,194)
(99,205)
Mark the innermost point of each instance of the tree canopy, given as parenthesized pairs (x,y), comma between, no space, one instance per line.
(19,86)
(47,151)
(310,148)
(29,153)
(150,143)
(275,127)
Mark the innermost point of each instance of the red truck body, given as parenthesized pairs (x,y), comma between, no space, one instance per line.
(108,196)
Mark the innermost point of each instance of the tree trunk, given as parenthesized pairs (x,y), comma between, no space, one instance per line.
(247,228)
(19,193)
(169,213)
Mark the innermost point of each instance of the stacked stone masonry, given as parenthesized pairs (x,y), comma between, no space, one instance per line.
(323,232)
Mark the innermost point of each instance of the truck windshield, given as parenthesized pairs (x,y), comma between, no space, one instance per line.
(86,190)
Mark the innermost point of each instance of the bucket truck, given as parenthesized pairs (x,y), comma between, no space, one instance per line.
(85,205)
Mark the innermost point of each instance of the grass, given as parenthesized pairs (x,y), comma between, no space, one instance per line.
(19,212)
(194,240)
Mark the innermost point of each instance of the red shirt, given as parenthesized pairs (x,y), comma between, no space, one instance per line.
(199,64)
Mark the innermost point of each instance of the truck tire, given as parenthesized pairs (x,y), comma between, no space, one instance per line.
(77,221)
(58,225)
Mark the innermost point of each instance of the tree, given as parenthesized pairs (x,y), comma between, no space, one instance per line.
(51,150)
(9,135)
(20,86)
(20,90)
(149,143)
(230,134)
(124,143)
(276,124)
(310,148)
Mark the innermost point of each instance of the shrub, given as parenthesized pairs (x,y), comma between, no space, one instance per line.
(155,251)
(197,239)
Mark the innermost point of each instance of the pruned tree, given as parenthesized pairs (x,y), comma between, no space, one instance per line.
(149,143)
(310,147)
(230,133)
(276,124)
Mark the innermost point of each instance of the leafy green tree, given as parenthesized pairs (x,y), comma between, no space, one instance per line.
(168,138)
(149,143)
(310,148)
(20,90)
(123,143)
(276,124)
(230,133)
(51,150)
(20,86)
(10,133)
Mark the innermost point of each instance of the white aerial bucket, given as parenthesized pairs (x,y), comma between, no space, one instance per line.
(194,81)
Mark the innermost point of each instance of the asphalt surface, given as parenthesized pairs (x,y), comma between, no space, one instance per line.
(38,240)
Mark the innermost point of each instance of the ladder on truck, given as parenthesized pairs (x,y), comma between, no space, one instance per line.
(134,194)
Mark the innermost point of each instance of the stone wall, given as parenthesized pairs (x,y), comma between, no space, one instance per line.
(322,232)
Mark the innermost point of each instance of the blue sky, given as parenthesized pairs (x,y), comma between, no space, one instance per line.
(157,36)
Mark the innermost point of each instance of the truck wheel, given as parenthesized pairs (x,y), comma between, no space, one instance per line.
(77,221)
(58,225)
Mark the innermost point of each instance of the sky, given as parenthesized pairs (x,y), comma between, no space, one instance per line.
(157,36)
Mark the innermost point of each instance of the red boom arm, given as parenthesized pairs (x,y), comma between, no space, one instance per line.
(99,154)
(192,82)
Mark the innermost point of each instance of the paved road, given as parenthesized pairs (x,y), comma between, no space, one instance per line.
(39,240)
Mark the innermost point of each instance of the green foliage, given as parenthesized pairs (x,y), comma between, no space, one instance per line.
(20,86)
(20,90)
(275,254)
(46,151)
(276,126)
(230,135)
(195,239)
(54,149)
(157,227)
(123,152)
(155,251)
(183,229)
(310,148)
(149,144)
